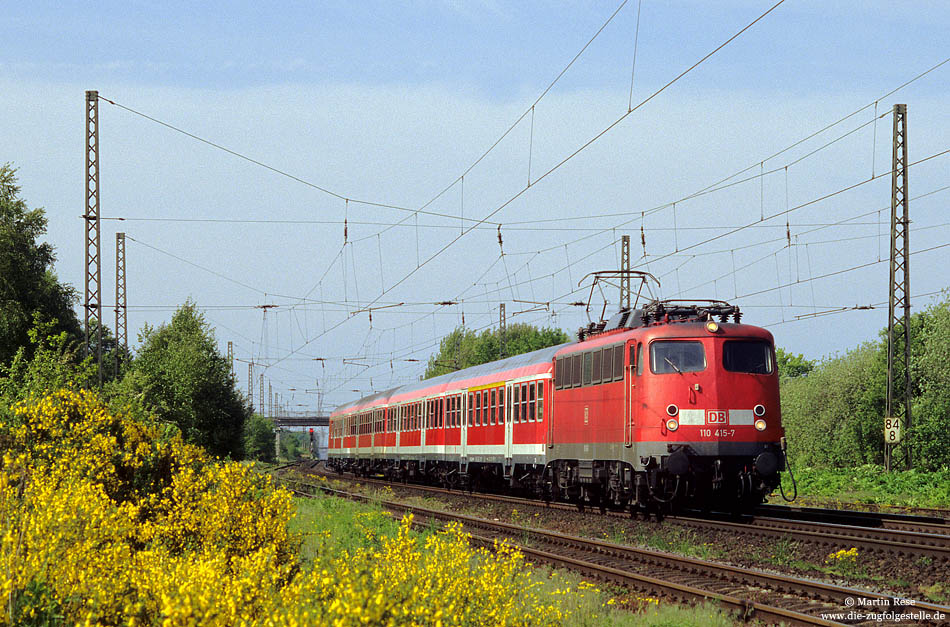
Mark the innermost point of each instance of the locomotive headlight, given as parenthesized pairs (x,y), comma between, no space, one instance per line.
(712,326)
(672,425)
(759,410)
(760,425)
(672,410)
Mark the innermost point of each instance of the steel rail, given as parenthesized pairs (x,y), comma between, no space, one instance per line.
(900,542)
(808,592)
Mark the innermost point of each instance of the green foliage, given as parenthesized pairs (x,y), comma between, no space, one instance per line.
(463,348)
(28,285)
(870,484)
(930,370)
(291,446)
(180,376)
(834,416)
(792,365)
(50,362)
(259,440)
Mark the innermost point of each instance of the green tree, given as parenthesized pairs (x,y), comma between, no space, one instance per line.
(291,447)
(179,375)
(792,365)
(28,284)
(259,439)
(463,348)
(835,415)
(50,363)
(930,369)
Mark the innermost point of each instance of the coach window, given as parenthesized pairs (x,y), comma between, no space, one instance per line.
(478,409)
(676,356)
(524,402)
(494,407)
(516,416)
(471,405)
(540,401)
(531,402)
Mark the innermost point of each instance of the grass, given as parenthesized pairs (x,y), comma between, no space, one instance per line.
(330,525)
(870,485)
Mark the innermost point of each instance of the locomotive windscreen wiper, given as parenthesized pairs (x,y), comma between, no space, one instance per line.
(667,360)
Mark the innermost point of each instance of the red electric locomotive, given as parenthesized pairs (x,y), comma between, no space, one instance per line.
(672,405)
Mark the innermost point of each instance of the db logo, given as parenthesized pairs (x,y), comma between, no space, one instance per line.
(715,416)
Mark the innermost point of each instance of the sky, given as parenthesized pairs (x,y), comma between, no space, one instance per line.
(349,164)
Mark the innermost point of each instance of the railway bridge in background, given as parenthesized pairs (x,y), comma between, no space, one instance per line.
(303,421)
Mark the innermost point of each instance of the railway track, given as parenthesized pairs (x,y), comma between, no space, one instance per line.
(884,520)
(908,536)
(769,597)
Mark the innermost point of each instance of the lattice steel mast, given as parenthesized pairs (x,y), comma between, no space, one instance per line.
(121,306)
(93,279)
(898,320)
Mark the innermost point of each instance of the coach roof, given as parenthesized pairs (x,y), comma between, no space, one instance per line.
(452,380)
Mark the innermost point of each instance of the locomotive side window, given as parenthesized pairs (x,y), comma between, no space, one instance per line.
(576,370)
(598,366)
(639,358)
(588,359)
(677,357)
(558,373)
(618,362)
(752,356)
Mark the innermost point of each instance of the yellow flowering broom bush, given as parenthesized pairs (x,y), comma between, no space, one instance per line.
(425,580)
(108,520)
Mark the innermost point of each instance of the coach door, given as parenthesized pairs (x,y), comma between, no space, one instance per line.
(508,422)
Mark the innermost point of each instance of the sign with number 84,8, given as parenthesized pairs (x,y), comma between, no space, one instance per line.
(892,430)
